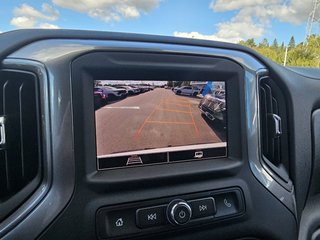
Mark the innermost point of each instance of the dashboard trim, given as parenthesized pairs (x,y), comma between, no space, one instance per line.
(254,151)
(51,50)
(48,194)
(43,56)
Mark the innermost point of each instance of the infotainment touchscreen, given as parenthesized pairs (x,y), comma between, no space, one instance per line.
(142,123)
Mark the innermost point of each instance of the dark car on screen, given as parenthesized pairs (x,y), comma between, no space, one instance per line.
(213,106)
(100,98)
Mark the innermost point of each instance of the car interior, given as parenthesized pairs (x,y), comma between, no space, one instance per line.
(109,135)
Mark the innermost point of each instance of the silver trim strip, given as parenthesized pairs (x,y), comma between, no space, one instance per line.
(2,132)
(53,49)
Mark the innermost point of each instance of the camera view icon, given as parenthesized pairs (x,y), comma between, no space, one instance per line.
(198,154)
(134,159)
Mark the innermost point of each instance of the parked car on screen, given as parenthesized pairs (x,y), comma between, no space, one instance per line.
(187,90)
(213,106)
(115,93)
(100,98)
(102,90)
(137,88)
(130,90)
(143,88)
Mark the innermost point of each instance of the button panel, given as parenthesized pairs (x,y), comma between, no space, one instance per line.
(160,215)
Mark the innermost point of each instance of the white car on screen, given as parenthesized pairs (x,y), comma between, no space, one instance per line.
(115,93)
(187,90)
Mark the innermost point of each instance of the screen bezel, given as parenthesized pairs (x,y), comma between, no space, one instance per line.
(97,65)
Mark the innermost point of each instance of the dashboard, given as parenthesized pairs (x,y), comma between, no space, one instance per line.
(127,136)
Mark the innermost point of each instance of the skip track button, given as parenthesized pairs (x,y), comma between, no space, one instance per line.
(203,208)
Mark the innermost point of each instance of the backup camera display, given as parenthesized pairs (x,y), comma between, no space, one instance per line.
(156,122)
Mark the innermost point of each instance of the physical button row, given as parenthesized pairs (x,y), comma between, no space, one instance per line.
(127,220)
(177,212)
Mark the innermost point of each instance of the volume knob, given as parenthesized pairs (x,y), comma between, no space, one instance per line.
(179,212)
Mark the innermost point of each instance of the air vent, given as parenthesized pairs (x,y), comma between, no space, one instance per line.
(274,136)
(20,168)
